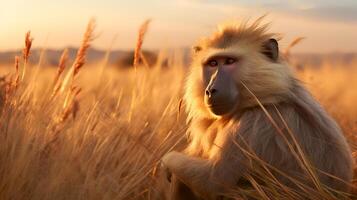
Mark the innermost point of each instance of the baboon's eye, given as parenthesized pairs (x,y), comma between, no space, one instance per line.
(230,61)
(212,63)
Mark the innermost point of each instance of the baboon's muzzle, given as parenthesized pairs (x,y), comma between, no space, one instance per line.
(221,93)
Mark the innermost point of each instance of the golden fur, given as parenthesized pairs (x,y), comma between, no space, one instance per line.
(276,122)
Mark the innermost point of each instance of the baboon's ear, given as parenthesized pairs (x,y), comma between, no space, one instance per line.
(271,49)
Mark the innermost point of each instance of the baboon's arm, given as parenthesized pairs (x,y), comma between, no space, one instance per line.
(209,178)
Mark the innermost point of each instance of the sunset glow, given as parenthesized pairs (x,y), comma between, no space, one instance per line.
(328,25)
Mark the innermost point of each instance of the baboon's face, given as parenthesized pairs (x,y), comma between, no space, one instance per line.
(222,70)
(221,92)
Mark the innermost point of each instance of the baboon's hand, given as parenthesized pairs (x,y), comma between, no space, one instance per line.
(164,165)
(166,171)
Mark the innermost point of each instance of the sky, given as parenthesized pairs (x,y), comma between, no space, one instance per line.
(328,25)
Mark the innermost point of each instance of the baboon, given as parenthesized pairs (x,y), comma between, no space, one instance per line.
(249,113)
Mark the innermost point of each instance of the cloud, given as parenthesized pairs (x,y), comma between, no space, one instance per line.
(317,10)
(342,11)
(337,13)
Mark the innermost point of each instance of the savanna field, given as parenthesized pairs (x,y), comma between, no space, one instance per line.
(92,131)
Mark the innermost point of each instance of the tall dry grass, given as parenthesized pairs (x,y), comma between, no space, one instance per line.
(26,52)
(139,42)
(103,138)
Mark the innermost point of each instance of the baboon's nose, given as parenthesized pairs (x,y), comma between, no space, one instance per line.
(210,92)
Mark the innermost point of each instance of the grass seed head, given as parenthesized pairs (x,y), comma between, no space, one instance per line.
(82,51)
(139,42)
(27,48)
